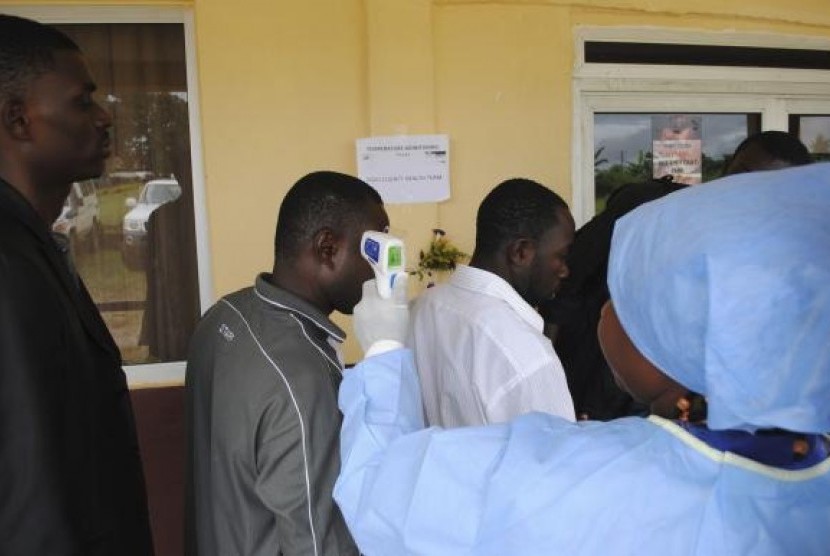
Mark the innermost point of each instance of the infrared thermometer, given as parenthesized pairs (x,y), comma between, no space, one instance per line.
(385,254)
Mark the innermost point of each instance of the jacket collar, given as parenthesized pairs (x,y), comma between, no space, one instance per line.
(282,299)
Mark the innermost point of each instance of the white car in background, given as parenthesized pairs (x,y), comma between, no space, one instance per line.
(79,219)
(153,194)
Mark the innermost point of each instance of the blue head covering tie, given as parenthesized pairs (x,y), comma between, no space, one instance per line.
(735,303)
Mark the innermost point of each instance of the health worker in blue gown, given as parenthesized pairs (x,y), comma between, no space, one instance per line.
(719,319)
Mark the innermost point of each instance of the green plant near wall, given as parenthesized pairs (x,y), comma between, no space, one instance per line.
(440,256)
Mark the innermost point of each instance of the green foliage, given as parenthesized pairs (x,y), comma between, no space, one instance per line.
(152,132)
(441,256)
(617,175)
(713,168)
(598,158)
(609,179)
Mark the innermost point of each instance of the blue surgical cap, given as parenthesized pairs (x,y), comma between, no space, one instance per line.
(725,287)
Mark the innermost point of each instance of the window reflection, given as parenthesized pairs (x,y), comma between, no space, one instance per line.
(814,132)
(132,232)
(691,147)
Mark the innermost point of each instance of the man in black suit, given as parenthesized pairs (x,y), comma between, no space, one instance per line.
(70,471)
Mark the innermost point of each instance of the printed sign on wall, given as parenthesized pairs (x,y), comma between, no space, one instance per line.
(406,168)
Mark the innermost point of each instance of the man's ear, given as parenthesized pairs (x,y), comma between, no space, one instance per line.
(520,252)
(13,118)
(326,245)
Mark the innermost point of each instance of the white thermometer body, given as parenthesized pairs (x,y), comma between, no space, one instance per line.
(385,253)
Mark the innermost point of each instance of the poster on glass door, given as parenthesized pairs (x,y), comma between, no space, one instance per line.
(677,147)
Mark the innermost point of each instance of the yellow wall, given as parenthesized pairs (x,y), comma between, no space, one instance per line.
(287,86)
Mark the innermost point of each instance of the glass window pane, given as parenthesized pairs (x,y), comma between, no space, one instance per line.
(635,147)
(814,131)
(132,232)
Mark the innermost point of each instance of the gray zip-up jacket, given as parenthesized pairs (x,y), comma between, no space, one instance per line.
(263,428)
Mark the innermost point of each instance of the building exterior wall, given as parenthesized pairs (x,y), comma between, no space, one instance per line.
(287,86)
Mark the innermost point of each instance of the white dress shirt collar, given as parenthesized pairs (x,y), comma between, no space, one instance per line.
(485,282)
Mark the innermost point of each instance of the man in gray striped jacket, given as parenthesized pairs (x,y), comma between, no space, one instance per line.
(262,379)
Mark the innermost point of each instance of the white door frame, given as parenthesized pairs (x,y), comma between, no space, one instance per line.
(772,92)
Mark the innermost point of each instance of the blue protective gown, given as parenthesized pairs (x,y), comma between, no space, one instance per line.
(542,485)
(725,287)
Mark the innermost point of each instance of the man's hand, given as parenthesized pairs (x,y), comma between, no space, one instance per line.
(382,324)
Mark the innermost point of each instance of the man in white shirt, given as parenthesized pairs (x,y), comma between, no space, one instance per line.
(479,345)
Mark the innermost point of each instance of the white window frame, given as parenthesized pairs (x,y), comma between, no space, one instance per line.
(170,373)
(773,92)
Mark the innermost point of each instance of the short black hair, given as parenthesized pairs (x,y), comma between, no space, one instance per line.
(27,50)
(515,209)
(318,200)
(779,145)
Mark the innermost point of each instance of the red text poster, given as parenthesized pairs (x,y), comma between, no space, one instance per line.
(677,147)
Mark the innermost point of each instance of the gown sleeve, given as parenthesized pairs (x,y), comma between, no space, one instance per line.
(404,489)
